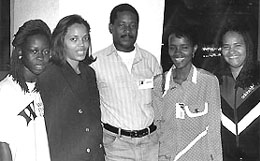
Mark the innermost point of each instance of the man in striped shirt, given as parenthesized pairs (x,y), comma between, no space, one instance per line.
(125,79)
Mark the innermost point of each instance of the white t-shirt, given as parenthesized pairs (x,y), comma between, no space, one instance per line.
(22,123)
(127,58)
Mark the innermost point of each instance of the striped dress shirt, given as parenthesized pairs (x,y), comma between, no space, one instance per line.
(123,103)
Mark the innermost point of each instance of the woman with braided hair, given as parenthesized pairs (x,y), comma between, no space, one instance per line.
(23,132)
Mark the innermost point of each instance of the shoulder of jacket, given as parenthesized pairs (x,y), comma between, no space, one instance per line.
(89,69)
(203,71)
(158,76)
(51,72)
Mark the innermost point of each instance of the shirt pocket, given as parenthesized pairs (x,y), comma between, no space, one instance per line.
(144,96)
(197,110)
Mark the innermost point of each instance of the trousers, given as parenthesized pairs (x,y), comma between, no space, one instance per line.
(124,148)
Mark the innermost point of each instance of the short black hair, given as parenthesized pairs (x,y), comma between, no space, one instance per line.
(121,8)
(186,32)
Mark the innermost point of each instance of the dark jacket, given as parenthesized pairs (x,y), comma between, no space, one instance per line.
(240,101)
(72,113)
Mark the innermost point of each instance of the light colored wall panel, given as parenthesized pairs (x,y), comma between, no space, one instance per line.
(96,12)
(47,10)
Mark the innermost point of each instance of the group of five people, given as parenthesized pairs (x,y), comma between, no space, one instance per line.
(118,105)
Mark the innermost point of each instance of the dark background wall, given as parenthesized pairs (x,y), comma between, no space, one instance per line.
(4,37)
(4,34)
(207,18)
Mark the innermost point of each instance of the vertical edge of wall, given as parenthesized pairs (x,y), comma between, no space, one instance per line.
(258,43)
(11,24)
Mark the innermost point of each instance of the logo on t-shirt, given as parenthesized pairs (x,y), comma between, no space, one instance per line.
(28,113)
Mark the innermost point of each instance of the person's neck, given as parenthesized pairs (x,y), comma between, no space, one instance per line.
(74,65)
(132,48)
(30,79)
(29,76)
(235,71)
(181,74)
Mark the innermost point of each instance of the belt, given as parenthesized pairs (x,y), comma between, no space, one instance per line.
(130,133)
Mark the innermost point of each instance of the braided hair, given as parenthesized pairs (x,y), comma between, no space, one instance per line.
(29,28)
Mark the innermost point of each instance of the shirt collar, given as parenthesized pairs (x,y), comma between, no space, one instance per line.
(138,55)
(193,75)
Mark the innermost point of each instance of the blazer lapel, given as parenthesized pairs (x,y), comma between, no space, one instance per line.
(76,86)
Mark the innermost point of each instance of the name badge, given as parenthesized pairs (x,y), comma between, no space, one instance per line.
(180,113)
(145,83)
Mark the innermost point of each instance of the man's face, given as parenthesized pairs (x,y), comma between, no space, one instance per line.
(124,31)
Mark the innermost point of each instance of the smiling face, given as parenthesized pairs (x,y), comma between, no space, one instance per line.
(36,53)
(181,51)
(124,31)
(76,43)
(234,49)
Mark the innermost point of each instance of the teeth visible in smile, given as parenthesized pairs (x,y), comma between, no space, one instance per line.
(81,52)
(179,59)
(39,66)
(233,57)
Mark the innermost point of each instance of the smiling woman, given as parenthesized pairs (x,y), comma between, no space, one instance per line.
(207,18)
(70,95)
(239,78)
(187,105)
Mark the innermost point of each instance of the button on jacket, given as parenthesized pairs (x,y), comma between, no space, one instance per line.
(72,113)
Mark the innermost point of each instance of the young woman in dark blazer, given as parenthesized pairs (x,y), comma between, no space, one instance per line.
(70,95)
